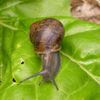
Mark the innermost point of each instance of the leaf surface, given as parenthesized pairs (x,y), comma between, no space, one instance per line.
(79,75)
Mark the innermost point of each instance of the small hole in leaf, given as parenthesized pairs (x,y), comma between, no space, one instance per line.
(14,80)
(22,62)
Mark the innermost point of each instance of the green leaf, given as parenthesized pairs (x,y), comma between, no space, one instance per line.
(79,75)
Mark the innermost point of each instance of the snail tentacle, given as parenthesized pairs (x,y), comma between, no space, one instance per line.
(34,75)
(54,82)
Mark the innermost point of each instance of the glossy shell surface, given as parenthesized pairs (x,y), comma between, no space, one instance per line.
(46,34)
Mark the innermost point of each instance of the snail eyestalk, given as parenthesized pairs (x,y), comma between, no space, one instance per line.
(54,82)
(34,75)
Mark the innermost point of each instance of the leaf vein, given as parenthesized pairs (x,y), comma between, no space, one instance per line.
(82,67)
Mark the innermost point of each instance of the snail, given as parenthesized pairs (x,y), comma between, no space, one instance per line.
(46,36)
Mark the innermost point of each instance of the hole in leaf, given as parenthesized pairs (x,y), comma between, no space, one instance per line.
(14,80)
(22,62)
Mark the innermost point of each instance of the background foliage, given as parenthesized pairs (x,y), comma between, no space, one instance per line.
(79,76)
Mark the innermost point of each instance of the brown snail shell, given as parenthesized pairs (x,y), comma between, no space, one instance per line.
(46,35)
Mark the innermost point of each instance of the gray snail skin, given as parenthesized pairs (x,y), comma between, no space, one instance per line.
(46,36)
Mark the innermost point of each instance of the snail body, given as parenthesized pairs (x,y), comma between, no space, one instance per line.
(46,36)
